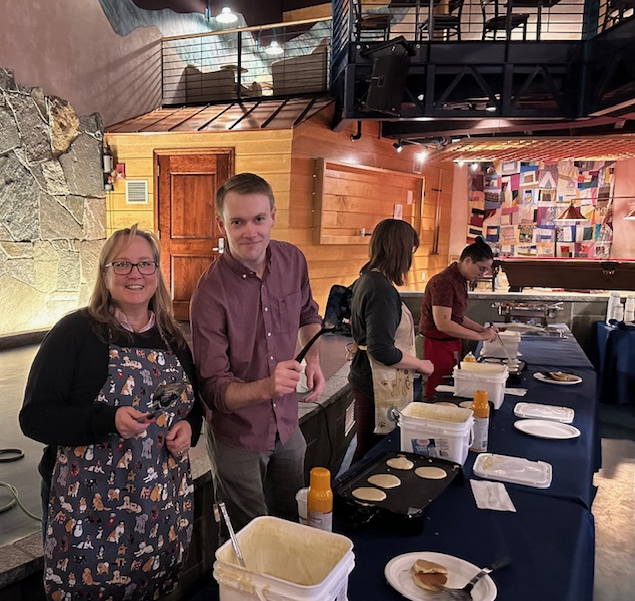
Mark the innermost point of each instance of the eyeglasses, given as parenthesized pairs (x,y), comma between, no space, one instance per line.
(125,267)
(482,268)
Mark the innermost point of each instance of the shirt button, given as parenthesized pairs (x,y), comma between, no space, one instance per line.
(268,333)
(244,275)
(266,309)
(274,405)
(271,357)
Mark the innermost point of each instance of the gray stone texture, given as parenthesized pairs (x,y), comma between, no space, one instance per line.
(82,166)
(32,125)
(52,207)
(9,134)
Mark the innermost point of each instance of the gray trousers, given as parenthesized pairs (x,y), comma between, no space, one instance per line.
(252,483)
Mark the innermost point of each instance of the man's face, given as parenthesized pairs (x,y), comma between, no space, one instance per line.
(247,220)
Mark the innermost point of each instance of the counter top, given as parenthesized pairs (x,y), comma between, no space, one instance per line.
(532,294)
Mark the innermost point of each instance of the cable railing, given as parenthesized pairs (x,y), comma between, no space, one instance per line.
(247,63)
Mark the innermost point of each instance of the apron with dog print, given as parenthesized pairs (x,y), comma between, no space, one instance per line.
(120,512)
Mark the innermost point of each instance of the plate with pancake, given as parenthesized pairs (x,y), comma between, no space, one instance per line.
(558,377)
(400,574)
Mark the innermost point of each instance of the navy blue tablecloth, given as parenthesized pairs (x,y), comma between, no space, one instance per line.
(550,543)
(564,352)
(551,537)
(615,363)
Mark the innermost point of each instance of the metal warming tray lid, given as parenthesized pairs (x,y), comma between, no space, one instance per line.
(403,504)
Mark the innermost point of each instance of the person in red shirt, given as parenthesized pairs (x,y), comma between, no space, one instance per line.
(443,322)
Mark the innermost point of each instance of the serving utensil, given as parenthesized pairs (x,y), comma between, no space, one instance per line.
(220,510)
(164,397)
(465,594)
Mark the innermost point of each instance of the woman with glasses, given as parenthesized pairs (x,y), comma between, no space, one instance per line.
(384,360)
(117,491)
(443,322)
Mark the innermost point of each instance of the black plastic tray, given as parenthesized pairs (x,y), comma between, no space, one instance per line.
(404,505)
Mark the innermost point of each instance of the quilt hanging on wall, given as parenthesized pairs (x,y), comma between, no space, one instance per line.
(516,207)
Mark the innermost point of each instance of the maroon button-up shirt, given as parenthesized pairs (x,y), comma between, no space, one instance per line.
(242,327)
(446,289)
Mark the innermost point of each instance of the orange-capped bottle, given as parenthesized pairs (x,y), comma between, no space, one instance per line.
(480,407)
(470,358)
(320,500)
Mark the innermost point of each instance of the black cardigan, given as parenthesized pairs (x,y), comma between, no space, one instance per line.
(66,376)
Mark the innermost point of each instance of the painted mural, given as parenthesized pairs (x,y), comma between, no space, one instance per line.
(516,207)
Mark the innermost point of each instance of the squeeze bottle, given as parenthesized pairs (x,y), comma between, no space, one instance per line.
(320,500)
(480,407)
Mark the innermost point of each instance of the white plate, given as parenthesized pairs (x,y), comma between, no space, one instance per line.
(398,572)
(542,378)
(543,428)
(550,412)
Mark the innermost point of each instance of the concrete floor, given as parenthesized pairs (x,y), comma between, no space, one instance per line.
(614,506)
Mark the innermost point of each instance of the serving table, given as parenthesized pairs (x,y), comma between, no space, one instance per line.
(615,363)
(550,538)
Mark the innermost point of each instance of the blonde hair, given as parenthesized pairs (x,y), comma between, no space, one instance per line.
(101,306)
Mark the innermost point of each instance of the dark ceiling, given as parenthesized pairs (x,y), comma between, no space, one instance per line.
(255,13)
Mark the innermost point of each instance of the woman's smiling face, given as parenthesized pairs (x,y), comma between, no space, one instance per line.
(132,292)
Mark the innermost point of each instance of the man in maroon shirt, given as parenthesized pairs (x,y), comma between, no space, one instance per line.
(249,311)
(443,322)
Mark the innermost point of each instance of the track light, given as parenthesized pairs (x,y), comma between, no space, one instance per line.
(398,146)
(226,16)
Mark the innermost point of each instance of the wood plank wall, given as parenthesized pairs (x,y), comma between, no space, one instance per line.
(266,153)
(286,158)
(340,263)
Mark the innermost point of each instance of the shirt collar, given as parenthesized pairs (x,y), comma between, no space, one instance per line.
(454,268)
(242,270)
(120,316)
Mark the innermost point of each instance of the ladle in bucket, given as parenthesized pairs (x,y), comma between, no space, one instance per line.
(337,316)
(219,508)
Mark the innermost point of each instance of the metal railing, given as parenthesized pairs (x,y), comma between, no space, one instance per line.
(247,63)
(472,20)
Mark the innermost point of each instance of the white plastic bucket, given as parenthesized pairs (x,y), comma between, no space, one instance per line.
(492,380)
(284,561)
(436,431)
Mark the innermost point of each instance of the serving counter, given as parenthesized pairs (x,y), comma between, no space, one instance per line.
(550,538)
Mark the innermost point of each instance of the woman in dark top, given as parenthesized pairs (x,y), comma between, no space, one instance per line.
(384,359)
(117,487)
(443,322)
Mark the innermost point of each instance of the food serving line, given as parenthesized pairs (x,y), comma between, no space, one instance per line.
(550,539)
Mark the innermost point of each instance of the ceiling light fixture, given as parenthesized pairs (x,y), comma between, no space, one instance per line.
(571,213)
(274,49)
(398,146)
(226,16)
(630,215)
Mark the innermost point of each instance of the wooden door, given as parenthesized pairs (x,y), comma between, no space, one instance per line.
(186,215)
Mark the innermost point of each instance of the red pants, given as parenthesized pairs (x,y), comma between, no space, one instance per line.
(444,355)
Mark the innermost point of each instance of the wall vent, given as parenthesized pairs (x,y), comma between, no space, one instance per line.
(136,191)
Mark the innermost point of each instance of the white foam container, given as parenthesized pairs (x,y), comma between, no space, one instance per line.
(436,431)
(467,381)
(510,340)
(508,468)
(285,561)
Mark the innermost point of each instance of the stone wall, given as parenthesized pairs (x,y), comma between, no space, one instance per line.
(52,207)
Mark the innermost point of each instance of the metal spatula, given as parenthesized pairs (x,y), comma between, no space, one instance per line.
(220,510)
(465,594)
